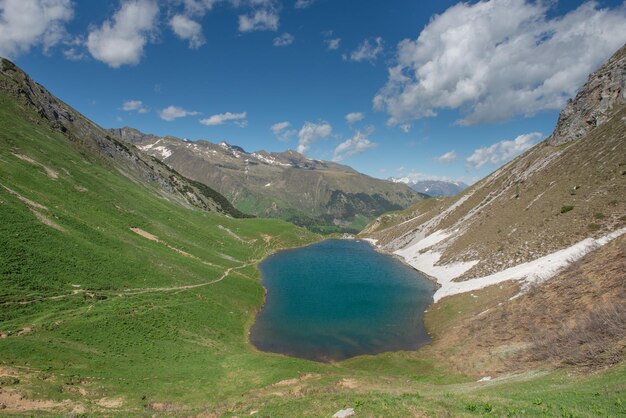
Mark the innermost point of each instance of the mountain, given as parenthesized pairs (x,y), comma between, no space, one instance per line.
(321,195)
(433,188)
(94,141)
(523,232)
(126,289)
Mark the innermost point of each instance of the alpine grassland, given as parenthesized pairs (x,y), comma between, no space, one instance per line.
(116,301)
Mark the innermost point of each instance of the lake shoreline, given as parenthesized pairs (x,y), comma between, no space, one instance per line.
(320,337)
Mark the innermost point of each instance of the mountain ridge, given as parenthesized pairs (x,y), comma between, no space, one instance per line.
(433,188)
(97,142)
(322,195)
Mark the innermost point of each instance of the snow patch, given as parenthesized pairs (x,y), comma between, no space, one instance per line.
(535,271)
(372,241)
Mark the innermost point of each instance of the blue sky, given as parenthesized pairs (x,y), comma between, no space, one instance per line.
(436,89)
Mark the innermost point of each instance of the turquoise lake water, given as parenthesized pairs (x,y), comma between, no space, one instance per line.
(338,299)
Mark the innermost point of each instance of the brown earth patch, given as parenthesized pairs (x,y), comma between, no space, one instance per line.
(12,401)
(575,319)
(49,172)
(294,381)
(348,384)
(110,402)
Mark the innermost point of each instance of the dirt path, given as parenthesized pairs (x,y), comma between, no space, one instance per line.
(189,286)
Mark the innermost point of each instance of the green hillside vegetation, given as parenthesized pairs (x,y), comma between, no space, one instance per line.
(117,300)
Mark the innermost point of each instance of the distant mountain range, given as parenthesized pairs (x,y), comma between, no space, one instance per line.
(322,195)
(432,187)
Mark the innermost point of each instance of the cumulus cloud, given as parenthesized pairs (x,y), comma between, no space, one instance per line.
(354,117)
(283,131)
(303,4)
(121,41)
(357,144)
(284,39)
(497,59)
(26,23)
(198,7)
(261,19)
(222,118)
(448,157)
(171,113)
(311,132)
(368,50)
(502,151)
(134,106)
(333,43)
(188,29)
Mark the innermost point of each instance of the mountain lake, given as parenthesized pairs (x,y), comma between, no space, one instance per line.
(338,299)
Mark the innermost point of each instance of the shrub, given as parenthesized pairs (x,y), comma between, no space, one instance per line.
(566,208)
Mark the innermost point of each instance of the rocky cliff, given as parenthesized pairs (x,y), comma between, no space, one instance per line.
(596,102)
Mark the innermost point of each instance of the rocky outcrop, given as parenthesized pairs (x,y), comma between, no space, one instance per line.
(595,102)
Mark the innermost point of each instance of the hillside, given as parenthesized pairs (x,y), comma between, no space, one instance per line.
(92,140)
(519,230)
(121,297)
(434,188)
(321,195)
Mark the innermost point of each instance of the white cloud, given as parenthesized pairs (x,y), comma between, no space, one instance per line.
(26,23)
(259,20)
(122,40)
(368,51)
(354,117)
(222,118)
(311,132)
(198,7)
(134,106)
(448,157)
(357,144)
(333,43)
(284,39)
(283,132)
(502,151)
(188,29)
(171,113)
(497,59)
(303,4)
(412,177)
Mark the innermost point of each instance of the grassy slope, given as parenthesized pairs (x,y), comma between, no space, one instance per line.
(131,333)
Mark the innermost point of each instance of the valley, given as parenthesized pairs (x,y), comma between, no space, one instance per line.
(149,275)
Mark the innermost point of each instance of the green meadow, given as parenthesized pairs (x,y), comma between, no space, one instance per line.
(115,300)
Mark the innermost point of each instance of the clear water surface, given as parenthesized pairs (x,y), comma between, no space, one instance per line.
(338,299)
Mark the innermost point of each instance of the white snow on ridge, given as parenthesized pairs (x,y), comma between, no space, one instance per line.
(536,271)
(268,160)
(161,149)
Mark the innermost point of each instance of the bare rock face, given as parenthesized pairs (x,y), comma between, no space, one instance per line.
(594,102)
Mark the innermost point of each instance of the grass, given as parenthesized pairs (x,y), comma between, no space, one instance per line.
(92,311)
